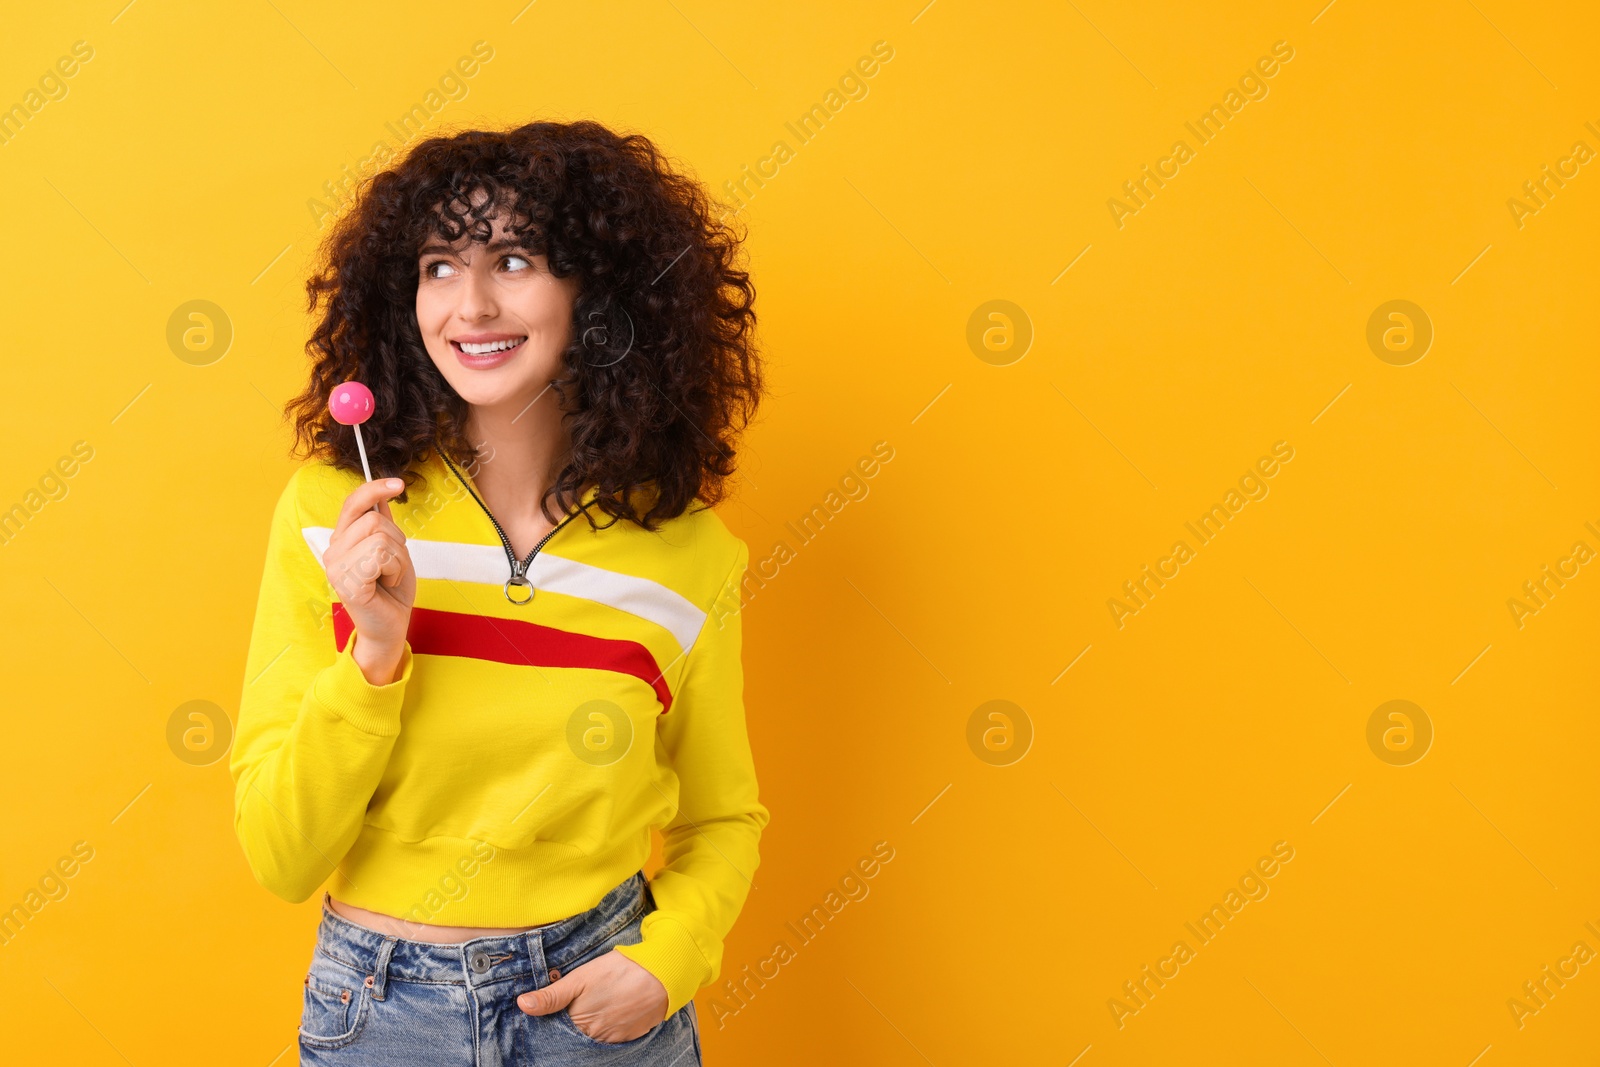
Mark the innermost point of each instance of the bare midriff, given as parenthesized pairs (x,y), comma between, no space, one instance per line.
(415,931)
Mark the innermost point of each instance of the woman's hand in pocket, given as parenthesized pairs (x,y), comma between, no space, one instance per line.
(610,998)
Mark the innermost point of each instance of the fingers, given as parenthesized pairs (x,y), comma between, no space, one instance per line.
(553,997)
(364,496)
(367,548)
(377,558)
(363,526)
(391,564)
(342,547)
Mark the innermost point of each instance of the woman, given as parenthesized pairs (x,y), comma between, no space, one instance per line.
(477,682)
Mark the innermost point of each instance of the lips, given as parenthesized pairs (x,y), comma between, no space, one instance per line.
(487,360)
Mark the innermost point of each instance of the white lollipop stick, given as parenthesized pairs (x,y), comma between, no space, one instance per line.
(361,446)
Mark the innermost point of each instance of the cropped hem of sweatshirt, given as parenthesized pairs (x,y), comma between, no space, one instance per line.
(513,770)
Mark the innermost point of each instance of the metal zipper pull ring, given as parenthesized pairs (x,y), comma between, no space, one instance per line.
(519,568)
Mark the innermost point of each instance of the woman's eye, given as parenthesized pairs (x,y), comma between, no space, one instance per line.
(428,269)
(521,259)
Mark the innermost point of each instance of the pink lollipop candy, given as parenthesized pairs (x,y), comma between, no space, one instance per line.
(351,404)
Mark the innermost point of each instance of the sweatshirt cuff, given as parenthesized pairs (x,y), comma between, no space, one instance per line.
(345,691)
(669,952)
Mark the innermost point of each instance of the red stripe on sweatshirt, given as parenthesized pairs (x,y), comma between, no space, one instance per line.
(452,633)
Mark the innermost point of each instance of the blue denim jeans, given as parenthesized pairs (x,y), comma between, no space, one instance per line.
(371,998)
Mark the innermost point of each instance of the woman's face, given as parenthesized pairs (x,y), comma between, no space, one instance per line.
(493,318)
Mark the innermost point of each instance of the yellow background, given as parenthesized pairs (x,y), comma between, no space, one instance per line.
(1228,314)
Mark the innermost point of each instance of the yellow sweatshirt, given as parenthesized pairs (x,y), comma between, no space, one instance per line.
(513,771)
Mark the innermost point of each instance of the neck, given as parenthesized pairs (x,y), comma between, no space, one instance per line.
(520,451)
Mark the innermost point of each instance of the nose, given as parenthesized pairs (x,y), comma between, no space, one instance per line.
(477,298)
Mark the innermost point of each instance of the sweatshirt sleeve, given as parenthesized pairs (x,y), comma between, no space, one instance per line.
(314,736)
(710,846)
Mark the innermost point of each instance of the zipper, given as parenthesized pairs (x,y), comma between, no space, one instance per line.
(519,568)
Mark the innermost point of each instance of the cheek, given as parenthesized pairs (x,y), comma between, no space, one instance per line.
(432,313)
(432,316)
(549,306)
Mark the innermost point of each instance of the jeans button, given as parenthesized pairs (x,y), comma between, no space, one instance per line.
(555,972)
(479,962)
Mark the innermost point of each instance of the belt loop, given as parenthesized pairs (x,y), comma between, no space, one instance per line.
(534,939)
(379,978)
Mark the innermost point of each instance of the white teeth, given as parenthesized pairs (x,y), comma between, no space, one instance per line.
(493,346)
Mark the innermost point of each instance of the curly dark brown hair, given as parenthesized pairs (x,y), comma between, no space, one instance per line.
(662,371)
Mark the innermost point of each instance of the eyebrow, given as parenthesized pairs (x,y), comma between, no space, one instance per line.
(493,246)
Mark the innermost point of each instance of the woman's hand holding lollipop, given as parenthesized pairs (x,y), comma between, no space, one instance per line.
(366,560)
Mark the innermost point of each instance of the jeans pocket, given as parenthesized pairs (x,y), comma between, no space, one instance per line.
(336,1004)
(694,1031)
(623,929)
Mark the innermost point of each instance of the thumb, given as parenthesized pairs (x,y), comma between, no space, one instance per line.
(553,997)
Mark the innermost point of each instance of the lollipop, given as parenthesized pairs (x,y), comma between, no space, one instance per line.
(351,404)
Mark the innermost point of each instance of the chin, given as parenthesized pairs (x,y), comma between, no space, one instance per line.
(487,389)
(485,396)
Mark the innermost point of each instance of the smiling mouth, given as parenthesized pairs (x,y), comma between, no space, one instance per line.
(488,349)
